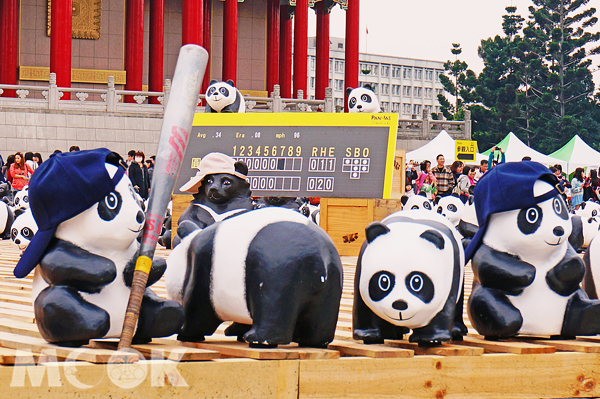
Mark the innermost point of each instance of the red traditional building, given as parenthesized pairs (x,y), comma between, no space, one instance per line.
(137,41)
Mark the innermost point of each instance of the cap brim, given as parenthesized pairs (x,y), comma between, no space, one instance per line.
(193,184)
(33,254)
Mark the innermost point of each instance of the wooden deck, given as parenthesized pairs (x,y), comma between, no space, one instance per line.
(221,367)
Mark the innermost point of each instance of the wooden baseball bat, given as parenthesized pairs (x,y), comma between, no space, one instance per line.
(174,136)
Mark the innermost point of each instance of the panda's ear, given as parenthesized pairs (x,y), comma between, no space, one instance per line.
(583,204)
(404,200)
(230,82)
(436,199)
(349,90)
(367,86)
(241,167)
(375,230)
(471,199)
(212,82)
(434,237)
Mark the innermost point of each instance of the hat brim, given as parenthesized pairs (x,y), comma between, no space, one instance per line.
(193,185)
(33,254)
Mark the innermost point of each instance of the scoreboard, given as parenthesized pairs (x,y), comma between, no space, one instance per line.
(300,154)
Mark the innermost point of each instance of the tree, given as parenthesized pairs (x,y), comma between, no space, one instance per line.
(461,86)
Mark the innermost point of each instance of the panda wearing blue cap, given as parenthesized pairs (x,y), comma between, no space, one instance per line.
(526,274)
(85,249)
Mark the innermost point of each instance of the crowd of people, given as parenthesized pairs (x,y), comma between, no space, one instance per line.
(461,179)
(18,169)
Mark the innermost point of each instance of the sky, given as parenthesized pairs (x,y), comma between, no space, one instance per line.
(426,29)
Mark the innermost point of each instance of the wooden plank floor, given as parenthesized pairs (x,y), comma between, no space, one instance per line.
(346,361)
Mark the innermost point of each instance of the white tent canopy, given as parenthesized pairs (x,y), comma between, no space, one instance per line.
(577,154)
(515,150)
(441,144)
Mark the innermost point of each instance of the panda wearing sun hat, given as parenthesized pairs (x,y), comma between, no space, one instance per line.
(85,249)
(526,274)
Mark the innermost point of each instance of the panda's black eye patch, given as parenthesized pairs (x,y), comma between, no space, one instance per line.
(224,91)
(14,233)
(380,285)
(110,206)
(452,208)
(211,91)
(560,208)
(27,233)
(352,102)
(427,205)
(415,207)
(530,219)
(26,198)
(421,286)
(594,212)
(365,98)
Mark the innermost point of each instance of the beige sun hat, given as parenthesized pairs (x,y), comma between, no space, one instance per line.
(215,162)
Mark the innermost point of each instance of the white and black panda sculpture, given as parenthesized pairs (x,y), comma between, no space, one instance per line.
(362,99)
(271,271)
(589,212)
(224,97)
(86,249)
(21,201)
(409,276)
(451,207)
(6,220)
(468,224)
(416,202)
(526,274)
(23,229)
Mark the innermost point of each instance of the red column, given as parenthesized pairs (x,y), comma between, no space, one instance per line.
(322,67)
(351,60)
(156,47)
(60,42)
(206,43)
(230,21)
(9,33)
(272,44)
(134,46)
(192,22)
(300,46)
(285,51)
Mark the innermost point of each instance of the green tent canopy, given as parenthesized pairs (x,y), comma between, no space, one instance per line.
(515,150)
(577,154)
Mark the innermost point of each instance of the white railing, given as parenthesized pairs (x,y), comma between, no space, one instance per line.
(111,100)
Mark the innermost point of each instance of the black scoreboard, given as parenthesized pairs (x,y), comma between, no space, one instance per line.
(301,154)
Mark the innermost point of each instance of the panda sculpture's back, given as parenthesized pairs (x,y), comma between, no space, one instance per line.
(409,275)
(271,271)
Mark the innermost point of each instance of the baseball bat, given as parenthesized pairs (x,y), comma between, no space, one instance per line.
(174,136)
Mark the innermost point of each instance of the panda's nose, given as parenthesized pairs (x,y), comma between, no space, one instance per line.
(558,231)
(359,106)
(140,217)
(400,305)
(17,241)
(439,210)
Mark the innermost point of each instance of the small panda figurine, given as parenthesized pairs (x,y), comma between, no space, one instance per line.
(451,207)
(590,221)
(220,190)
(21,201)
(271,271)
(23,229)
(416,202)
(86,249)
(409,275)
(362,99)
(224,97)
(526,274)
(7,218)
(468,224)
(5,192)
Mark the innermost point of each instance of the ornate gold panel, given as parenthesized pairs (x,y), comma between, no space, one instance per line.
(98,76)
(86,19)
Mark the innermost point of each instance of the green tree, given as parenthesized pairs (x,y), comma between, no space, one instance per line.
(461,83)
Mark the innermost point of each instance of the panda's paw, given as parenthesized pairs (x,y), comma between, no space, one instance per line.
(430,344)
(256,340)
(369,336)
(459,330)
(430,338)
(190,338)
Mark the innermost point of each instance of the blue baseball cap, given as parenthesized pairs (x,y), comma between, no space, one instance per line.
(61,188)
(507,187)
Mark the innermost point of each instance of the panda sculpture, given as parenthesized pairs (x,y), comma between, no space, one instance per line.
(590,221)
(468,225)
(451,207)
(362,99)
(271,271)
(7,218)
(21,201)
(526,274)
(220,190)
(416,202)
(5,192)
(224,97)
(409,275)
(23,229)
(86,250)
